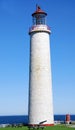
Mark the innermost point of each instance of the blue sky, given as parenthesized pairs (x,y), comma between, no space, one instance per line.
(15,20)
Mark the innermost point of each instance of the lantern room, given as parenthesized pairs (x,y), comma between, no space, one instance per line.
(39,17)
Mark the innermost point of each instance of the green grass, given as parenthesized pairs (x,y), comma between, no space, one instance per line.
(60,127)
(14,128)
(57,127)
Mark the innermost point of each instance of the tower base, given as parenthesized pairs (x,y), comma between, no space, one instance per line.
(41,125)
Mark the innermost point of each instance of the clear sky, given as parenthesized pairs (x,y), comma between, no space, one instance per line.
(15,20)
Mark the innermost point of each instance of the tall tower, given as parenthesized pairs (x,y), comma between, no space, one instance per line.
(40,80)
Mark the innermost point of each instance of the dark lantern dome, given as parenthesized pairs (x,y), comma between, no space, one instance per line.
(39,11)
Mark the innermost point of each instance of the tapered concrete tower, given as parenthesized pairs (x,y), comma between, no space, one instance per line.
(40,81)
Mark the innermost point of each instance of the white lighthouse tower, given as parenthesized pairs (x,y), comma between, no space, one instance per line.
(40,80)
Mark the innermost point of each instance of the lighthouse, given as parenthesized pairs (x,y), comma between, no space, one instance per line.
(40,107)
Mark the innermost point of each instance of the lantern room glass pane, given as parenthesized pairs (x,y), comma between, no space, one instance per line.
(39,19)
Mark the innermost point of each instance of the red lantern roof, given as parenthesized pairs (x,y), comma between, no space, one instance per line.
(39,11)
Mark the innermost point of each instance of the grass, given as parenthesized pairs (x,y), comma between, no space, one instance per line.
(13,128)
(57,127)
